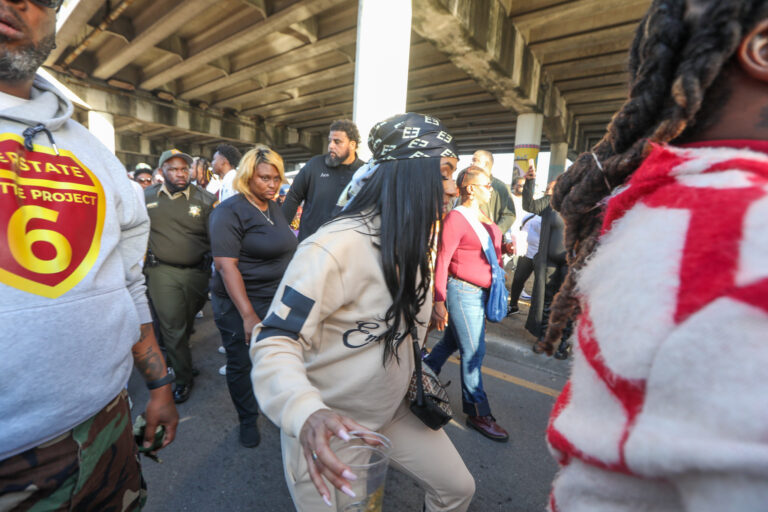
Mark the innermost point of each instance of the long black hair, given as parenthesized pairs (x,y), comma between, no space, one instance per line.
(407,196)
(678,66)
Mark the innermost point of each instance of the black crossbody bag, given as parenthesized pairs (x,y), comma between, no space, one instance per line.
(429,401)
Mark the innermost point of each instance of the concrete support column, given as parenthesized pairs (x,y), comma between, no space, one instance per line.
(381,64)
(102,126)
(557,159)
(145,147)
(527,142)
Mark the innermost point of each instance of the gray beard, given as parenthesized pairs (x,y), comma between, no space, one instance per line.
(22,64)
(335,162)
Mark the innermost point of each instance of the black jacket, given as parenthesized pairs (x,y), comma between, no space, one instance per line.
(543,258)
(319,186)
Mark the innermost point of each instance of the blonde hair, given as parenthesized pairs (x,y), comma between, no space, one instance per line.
(260,154)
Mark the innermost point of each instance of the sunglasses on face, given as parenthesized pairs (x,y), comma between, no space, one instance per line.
(50,4)
(144,180)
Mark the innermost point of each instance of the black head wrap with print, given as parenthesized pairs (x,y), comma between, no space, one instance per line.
(410,136)
(401,137)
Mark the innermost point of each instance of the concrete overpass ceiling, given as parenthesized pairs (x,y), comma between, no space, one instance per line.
(284,69)
(582,46)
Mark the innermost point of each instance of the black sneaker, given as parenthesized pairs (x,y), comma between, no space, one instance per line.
(511,310)
(249,435)
(562,350)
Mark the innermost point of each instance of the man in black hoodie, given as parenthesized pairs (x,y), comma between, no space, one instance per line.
(323,178)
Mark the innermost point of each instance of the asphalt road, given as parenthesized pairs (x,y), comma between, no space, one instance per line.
(206,469)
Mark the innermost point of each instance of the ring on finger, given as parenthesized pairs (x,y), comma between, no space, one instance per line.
(314,455)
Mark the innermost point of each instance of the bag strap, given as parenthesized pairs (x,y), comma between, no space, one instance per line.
(486,242)
(417,362)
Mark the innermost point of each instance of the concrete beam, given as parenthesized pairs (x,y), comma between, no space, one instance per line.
(70,23)
(563,13)
(517,7)
(167,23)
(589,66)
(259,5)
(333,73)
(614,12)
(305,31)
(302,53)
(148,110)
(280,20)
(611,92)
(284,107)
(576,84)
(482,42)
(588,43)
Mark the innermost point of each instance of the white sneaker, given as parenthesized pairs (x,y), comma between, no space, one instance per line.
(222,350)
(223,370)
(525,296)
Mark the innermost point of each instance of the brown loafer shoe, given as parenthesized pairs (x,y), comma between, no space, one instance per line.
(487,426)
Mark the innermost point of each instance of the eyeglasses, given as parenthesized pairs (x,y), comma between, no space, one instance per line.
(50,4)
(144,180)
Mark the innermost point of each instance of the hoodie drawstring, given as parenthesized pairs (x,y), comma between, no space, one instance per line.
(32,131)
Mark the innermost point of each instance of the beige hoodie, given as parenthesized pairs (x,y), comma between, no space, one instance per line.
(316,348)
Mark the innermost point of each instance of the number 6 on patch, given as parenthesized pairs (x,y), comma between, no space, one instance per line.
(20,241)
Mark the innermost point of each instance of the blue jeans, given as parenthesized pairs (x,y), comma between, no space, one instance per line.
(466,332)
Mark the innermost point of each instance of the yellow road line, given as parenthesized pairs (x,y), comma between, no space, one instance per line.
(515,380)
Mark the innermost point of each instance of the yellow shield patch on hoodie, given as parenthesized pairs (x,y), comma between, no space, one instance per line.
(51,218)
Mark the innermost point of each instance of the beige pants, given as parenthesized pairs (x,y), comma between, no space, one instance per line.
(428,456)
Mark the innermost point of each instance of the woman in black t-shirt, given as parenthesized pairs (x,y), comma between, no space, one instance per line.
(252,244)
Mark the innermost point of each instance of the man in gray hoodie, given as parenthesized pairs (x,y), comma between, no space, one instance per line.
(72,295)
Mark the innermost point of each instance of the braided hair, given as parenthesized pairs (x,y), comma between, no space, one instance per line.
(678,67)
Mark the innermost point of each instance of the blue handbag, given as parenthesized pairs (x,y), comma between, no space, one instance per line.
(496,305)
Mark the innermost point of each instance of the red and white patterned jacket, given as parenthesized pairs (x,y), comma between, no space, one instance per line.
(667,405)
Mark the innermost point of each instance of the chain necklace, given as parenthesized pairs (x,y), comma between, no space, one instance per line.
(265,215)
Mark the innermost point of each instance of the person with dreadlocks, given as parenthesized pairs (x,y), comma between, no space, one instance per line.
(666,229)
(334,353)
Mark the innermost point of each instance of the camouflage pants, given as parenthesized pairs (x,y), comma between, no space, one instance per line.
(95,466)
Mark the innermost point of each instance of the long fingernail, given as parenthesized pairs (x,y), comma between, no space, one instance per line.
(343,435)
(346,490)
(327,501)
(349,475)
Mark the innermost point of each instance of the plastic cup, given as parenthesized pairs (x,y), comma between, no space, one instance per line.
(367,455)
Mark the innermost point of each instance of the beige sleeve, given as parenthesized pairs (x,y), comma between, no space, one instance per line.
(311,291)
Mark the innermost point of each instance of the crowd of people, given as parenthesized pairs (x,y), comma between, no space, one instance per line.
(648,256)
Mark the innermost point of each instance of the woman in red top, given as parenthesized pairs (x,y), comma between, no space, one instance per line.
(462,279)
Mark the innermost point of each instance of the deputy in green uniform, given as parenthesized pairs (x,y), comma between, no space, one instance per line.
(178,264)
